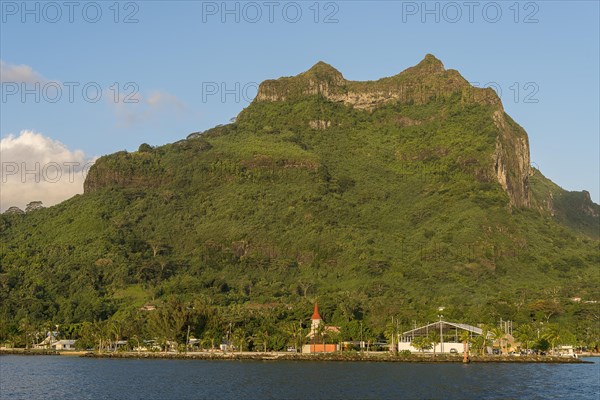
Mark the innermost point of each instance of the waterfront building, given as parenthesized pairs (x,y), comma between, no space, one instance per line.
(448,334)
(318,333)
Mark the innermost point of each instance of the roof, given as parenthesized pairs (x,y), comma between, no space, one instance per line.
(435,326)
(316,313)
(65,341)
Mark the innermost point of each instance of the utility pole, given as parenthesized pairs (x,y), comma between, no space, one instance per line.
(441,336)
(397,336)
(440,309)
(392,344)
(187,339)
(361,338)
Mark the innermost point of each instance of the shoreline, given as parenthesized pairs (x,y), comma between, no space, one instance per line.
(282,356)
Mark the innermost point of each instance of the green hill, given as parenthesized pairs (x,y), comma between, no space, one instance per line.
(380,198)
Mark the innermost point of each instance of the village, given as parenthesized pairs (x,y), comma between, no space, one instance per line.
(459,341)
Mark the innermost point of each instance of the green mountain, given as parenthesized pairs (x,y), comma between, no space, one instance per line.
(379,198)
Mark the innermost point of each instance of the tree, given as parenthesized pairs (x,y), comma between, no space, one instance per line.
(546,307)
(239,338)
(526,335)
(116,327)
(553,334)
(484,342)
(478,344)
(435,339)
(166,323)
(294,333)
(465,338)
(391,335)
(86,338)
(262,339)
(34,205)
(145,148)
(101,334)
(422,343)
(14,210)
(499,335)
(28,330)
(319,333)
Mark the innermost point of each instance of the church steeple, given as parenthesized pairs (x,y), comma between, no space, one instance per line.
(316,315)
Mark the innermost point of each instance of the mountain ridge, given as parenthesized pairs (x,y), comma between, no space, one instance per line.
(425,81)
(397,206)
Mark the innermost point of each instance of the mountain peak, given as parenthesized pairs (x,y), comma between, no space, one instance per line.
(322,67)
(429,64)
(324,72)
(418,84)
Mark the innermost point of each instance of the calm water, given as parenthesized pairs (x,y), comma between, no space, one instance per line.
(39,377)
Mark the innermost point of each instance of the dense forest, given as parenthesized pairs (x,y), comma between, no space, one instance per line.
(392,209)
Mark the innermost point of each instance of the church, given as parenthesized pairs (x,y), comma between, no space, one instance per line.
(318,335)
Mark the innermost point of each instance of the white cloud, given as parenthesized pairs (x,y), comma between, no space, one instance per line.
(137,108)
(37,168)
(19,74)
(164,100)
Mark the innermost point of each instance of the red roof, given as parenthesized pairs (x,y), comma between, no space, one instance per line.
(316,313)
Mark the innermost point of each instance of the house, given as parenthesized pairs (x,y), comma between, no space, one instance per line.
(566,351)
(226,346)
(318,332)
(120,344)
(47,342)
(64,345)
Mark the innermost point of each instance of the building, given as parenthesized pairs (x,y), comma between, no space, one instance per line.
(318,334)
(64,345)
(447,332)
(566,351)
(51,337)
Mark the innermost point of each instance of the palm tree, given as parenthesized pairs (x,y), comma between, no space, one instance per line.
(115,328)
(421,343)
(262,338)
(552,334)
(294,333)
(101,334)
(390,334)
(526,335)
(27,328)
(239,337)
(465,338)
(320,333)
(499,335)
(485,333)
(208,343)
(478,343)
(434,339)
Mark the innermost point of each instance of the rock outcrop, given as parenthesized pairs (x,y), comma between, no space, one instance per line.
(426,81)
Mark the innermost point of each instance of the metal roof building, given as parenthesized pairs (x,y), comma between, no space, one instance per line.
(448,335)
(448,328)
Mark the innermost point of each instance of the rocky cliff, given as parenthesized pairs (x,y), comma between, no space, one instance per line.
(427,81)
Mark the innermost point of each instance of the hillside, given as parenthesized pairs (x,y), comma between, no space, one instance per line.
(380,198)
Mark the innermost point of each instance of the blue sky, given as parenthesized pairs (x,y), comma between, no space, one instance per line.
(542,55)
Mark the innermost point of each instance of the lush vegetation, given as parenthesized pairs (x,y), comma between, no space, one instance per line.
(390,212)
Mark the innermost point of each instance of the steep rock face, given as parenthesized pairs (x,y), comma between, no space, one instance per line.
(426,81)
(511,160)
(588,207)
(122,169)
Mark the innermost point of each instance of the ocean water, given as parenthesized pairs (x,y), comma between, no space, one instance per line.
(63,377)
